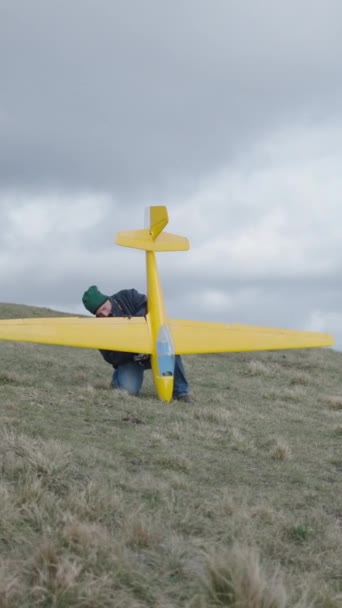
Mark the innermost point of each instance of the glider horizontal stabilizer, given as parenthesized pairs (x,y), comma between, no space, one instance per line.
(153,238)
(142,239)
(191,337)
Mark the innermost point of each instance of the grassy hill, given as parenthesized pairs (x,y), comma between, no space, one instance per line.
(109,500)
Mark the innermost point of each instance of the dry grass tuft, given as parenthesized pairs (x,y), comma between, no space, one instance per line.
(229,504)
(53,576)
(329,600)
(87,540)
(176,430)
(236,579)
(10,585)
(9,377)
(88,390)
(158,438)
(9,514)
(281,451)
(294,394)
(176,462)
(217,415)
(333,402)
(259,368)
(96,501)
(139,531)
(300,378)
(47,455)
(265,513)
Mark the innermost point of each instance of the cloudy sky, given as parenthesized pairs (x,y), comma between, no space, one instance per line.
(229,112)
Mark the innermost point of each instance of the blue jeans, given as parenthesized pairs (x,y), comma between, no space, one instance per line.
(130,377)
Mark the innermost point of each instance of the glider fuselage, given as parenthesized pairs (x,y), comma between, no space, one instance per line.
(162,357)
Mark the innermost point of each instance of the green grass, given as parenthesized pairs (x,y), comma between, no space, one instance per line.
(109,500)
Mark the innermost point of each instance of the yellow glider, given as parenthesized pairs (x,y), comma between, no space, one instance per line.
(156,334)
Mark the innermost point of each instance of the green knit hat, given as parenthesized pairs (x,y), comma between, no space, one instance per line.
(93,299)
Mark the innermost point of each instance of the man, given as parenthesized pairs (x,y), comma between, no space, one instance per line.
(129,367)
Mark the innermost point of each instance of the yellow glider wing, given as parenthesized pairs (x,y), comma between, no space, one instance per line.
(191,337)
(114,333)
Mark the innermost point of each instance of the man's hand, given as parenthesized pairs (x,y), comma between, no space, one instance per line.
(141,358)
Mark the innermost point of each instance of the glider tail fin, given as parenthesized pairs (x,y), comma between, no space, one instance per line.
(152,238)
(156,219)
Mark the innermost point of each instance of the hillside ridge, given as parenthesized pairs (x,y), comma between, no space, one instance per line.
(107,499)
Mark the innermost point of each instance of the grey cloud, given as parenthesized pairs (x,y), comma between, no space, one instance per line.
(144,98)
(140,97)
(289,305)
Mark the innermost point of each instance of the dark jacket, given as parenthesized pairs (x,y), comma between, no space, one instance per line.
(125,303)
